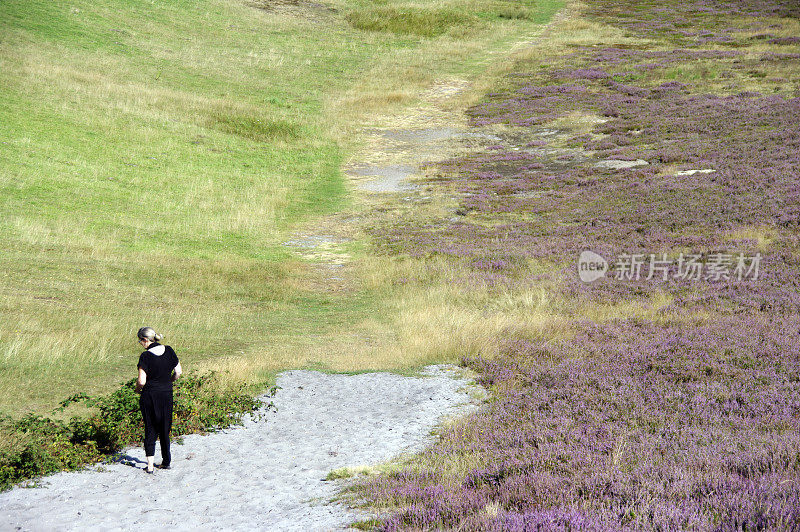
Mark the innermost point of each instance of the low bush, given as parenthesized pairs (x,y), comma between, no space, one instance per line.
(252,127)
(38,445)
(425,22)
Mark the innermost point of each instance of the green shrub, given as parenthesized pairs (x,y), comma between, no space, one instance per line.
(518,12)
(39,445)
(46,447)
(252,127)
(425,22)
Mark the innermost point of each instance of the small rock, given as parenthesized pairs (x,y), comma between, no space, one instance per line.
(619,164)
(692,172)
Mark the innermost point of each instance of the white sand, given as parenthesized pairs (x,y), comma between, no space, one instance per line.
(266,475)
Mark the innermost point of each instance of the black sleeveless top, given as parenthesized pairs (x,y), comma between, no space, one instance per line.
(158,369)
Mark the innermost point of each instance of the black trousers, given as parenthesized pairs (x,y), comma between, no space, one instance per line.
(157,414)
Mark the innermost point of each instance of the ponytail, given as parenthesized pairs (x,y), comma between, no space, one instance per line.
(148,333)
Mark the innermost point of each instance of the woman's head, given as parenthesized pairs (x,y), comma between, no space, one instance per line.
(147,333)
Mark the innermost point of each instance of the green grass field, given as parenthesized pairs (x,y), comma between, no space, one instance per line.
(154,156)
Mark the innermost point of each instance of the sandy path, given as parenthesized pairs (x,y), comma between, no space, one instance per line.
(266,475)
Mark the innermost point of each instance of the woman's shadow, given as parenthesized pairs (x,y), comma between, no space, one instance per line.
(126,459)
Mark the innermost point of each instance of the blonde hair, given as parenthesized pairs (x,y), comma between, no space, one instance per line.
(148,333)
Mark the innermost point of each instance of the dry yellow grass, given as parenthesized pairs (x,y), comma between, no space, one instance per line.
(437,316)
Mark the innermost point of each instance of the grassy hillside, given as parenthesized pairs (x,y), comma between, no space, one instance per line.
(155,155)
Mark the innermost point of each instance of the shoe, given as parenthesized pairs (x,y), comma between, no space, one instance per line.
(164,466)
(149,471)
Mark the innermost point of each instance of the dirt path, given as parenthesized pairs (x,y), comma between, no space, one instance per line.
(268,474)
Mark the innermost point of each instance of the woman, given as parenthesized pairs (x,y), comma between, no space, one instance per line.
(155,380)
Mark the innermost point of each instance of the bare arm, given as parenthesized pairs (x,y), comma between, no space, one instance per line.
(140,382)
(178,372)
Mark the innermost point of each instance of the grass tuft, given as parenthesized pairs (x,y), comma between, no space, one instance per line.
(253,127)
(424,22)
